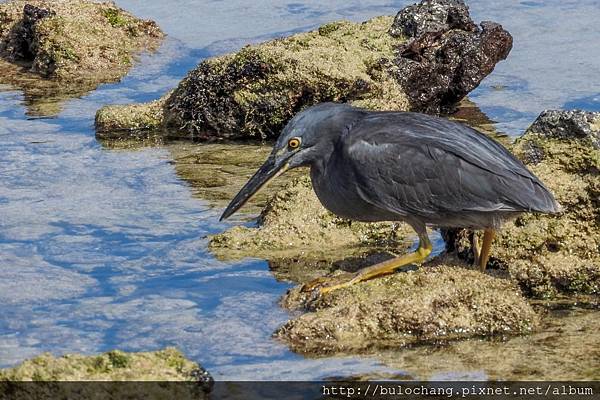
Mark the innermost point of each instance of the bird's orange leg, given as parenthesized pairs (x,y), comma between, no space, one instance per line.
(486,247)
(374,271)
(476,247)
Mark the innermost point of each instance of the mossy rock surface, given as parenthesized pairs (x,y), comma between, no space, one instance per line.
(73,40)
(254,92)
(164,365)
(435,303)
(135,117)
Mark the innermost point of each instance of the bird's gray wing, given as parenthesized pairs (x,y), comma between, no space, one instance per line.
(434,168)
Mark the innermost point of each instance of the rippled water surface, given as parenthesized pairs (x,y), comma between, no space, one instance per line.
(104,247)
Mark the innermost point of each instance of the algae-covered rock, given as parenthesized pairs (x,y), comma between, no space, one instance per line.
(55,50)
(164,365)
(432,304)
(115,375)
(73,39)
(568,124)
(552,254)
(136,117)
(254,92)
(295,221)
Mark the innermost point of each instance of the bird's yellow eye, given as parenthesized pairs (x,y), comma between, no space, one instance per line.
(294,143)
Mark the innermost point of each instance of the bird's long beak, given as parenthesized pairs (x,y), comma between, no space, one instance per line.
(269,170)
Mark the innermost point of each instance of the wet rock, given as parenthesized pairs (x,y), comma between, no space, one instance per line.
(164,365)
(254,92)
(294,222)
(435,303)
(75,44)
(447,55)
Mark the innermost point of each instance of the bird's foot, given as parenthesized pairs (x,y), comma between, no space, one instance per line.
(325,285)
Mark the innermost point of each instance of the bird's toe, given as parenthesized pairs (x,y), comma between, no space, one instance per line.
(324,285)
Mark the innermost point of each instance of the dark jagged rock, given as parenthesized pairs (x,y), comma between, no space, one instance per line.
(432,16)
(564,124)
(448,55)
(21,44)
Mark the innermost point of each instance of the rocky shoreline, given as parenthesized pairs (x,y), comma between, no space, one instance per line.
(427,58)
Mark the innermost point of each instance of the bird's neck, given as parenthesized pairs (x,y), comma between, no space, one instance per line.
(318,166)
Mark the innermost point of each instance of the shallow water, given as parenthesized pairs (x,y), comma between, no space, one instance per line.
(105,248)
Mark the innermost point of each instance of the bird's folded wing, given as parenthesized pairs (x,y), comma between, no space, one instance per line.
(427,176)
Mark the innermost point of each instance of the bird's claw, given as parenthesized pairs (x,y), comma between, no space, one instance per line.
(323,285)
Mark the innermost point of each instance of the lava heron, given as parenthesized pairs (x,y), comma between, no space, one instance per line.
(403,166)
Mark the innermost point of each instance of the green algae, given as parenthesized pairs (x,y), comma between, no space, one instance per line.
(437,302)
(115,365)
(254,92)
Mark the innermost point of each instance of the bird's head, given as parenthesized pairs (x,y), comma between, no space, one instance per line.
(306,139)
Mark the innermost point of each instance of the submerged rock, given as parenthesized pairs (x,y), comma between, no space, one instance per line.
(447,55)
(294,221)
(432,304)
(164,365)
(254,92)
(54,49)
(564,347)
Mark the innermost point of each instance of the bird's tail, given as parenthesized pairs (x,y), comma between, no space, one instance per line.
(546,203)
